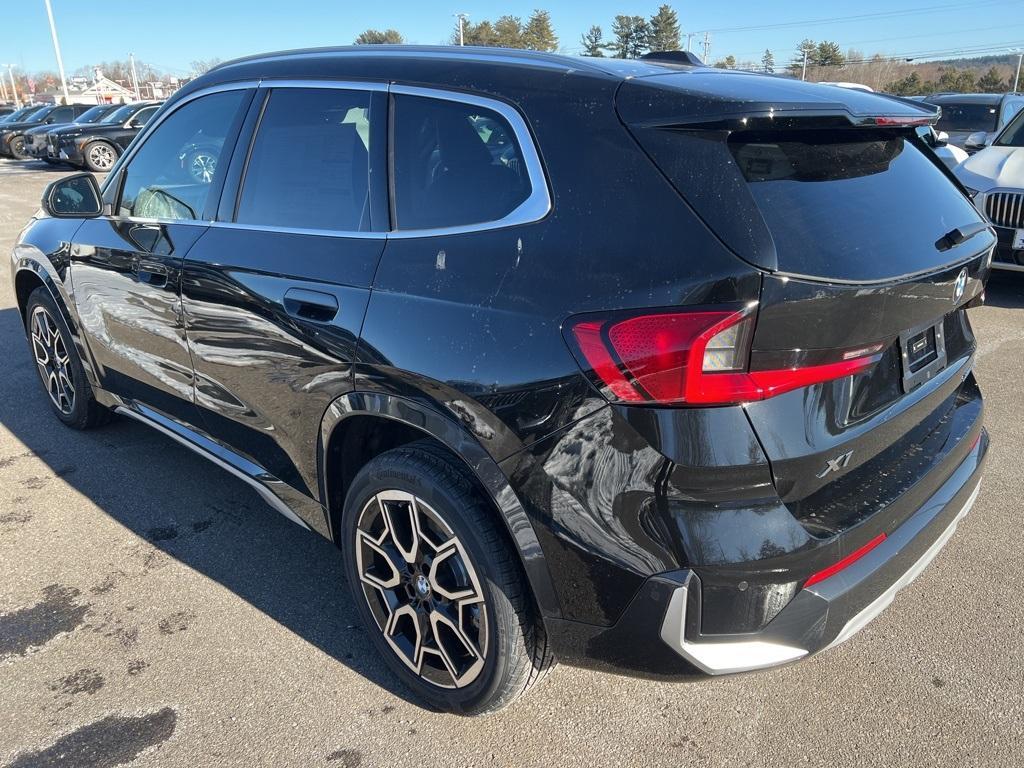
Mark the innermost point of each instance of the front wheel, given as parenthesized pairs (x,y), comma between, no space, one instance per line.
(438,585)
(18,148)
(99,156)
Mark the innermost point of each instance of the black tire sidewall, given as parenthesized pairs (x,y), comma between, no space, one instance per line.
(79,415)
(389,471)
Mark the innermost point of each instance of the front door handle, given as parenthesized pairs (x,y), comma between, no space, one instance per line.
(151,273)
(310,305)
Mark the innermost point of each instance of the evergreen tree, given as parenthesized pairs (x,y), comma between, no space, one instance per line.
(828,54)
(476,34)
(992,82)
(508,32)
(768,61)
(593,42)
(664,30)
(377,37)
(538,34)
(632,34)
(729,62)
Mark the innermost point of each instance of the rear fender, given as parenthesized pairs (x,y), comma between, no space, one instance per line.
(457,439)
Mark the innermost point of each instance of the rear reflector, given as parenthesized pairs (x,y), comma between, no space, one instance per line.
(699,357)
(846,562)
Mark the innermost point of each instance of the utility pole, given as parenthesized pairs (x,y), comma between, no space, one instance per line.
(804,75)
(707,46)
(1016,78)
(3,89)
(462,17)
(56,49)
(14,86)
(135,76)
(689,37)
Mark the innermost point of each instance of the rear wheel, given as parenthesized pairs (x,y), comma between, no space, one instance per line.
(438,585)
(99,156)
(59,366)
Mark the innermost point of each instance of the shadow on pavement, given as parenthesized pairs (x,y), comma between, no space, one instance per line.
(191,510)
(1005,289)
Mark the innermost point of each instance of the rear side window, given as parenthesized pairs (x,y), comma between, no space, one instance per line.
(855,204)
(455,164)
(171,175)
(309,164)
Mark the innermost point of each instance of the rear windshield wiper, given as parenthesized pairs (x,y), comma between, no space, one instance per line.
(960,235)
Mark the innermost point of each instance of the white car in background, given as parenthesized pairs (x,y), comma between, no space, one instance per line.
(994,177)
(938,141)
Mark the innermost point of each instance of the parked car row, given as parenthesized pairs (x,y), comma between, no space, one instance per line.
(88,137)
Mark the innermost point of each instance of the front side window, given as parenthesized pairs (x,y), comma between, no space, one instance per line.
(455,164)
(171,175)
(61,115)
(143,116)
(309,164)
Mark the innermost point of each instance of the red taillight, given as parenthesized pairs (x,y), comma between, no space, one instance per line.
(903,120)
(846,562)
(695,357)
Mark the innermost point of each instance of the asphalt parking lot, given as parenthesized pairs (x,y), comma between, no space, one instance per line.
(154,611)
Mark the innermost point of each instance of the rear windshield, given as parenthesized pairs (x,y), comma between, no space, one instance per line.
(967,117)
(856,204)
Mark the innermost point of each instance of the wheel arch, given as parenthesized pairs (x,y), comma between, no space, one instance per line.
(394,421)
(32,268)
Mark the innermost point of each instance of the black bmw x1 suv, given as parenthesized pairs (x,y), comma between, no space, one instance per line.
(639,365)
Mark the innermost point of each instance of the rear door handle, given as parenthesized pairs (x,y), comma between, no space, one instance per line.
(151,273)
(310,305)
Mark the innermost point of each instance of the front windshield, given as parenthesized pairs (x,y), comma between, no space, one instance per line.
(25,113)
(966,116)
(1013,135)
(119,115)
(39,114)
(92,115)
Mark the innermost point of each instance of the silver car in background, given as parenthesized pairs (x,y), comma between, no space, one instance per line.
(972,120)
(994,177)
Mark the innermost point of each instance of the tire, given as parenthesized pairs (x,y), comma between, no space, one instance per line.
(59,366)
(201,165)
(460,582)
(17,146)
(99,156)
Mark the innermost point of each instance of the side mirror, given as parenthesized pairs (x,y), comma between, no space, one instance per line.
(941,139)
(73,197)
(978,140)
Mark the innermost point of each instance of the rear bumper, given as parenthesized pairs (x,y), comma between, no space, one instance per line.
(660,634)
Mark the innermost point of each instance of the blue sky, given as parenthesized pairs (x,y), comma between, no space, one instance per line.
(170,35)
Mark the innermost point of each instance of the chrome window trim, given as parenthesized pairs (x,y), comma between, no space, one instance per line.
(536,206)
(342,234)
(533,208)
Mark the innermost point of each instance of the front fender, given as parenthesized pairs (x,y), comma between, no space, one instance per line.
(44,250)
(458,439)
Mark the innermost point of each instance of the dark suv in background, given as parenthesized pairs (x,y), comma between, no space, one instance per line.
(36,145)
(12,134)
(97,146)
(641,365)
